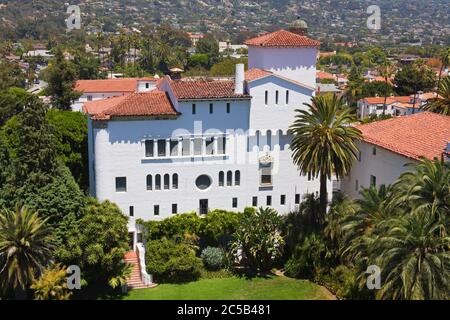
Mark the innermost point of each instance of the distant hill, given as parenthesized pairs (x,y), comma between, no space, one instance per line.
(403,21)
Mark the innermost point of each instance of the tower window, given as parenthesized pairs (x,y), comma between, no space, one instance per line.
(149,148)
(121,184)
(237,178)
(228,107)
(287,96)
(157,182)
(194,108)
(166,182)
(266,97)
(221,178)
(175,181)
(229,178)
(161,148)
(276,97)
(211,108)
(149,182)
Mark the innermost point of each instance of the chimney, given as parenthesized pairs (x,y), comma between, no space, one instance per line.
(239,79)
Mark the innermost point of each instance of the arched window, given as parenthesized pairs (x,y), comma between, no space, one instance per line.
(175,181)
(221,179)
(229,178)
(258,136)
(157,182)
(166,182)
(149,182)
(237,178)
(280,139)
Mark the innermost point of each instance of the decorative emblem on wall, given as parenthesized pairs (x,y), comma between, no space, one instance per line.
(266,159)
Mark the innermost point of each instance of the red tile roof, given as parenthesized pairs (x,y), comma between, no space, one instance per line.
(255,73)
(202,89)
(282,38)
(324,75)
(150,104)
(423,134)
(109,85)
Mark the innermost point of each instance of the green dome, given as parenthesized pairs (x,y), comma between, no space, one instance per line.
(299,23)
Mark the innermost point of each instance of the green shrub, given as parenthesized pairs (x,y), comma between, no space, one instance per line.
(213,258)
(216,274)
(170,261)
(218,226)
(307,258)
(174,227)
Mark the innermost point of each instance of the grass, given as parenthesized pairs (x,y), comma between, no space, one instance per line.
(234,288)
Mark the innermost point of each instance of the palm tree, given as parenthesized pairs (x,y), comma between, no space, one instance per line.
(414,260)
(25,248)
(441,103)
(324,142)
(444,57)
(386,70)
(427,189)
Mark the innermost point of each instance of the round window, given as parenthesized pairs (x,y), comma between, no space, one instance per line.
(203,182)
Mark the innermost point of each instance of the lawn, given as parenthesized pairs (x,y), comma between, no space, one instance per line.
(234,288)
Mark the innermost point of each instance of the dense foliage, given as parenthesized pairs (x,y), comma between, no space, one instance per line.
(213,258)
(172,261)
(52,284)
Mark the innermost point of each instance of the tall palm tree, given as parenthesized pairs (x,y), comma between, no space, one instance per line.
(414,260)
(386,70)
(441,103)
(25,248)
(324,142)
(444,57)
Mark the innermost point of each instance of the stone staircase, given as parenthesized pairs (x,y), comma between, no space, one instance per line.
(135,280)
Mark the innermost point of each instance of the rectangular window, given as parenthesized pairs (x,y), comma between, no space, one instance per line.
(374,151)
(194,108)
(147,85)
(211,108)
(174,148)
(149,148)
(174,208)
(131,211)
(121,184)
(235,202)
(221,145)
(89,98)
(186,146)
(287,97)
(267,97)
(198,142)
(269,200)
(297,198)
(210,145)
(359,156)
(156,210)
(356,185)
(228,107)
(373,181)
(276,97)
(266,175)
(255,201)
(283,199)
(161,148)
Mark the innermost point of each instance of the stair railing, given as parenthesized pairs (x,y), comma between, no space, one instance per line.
(146,278)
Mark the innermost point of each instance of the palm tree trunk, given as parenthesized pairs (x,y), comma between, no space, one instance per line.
(323,197)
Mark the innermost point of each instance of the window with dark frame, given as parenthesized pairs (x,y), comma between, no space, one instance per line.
(228,107)
(283,199)
(149,152)
(174,208)
(269,200)
(235,202)
(161,148)
(156,210)
(255,201)
(121,184)
(267,97)
(297,198)
(287,97)
(131,211)
(211,108)
(194,107)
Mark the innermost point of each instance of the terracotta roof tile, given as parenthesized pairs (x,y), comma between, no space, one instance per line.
(202,89)
(423,134)
(151,104)
(324,75)
(282,38)
(255,73)
(109,85)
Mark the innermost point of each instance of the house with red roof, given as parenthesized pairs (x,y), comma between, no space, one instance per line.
(395,105)
(193,144)
(389,145)
(93,90)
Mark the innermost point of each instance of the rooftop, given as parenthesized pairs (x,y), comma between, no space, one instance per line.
(283,38)
(143,104)
(423,134)
(203,89)
(109,85)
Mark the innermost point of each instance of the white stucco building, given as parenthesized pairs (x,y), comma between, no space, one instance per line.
(389,145)
(198,145)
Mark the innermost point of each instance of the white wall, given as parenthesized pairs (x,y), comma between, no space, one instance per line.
(386,166)
(294,63)
(78,104)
